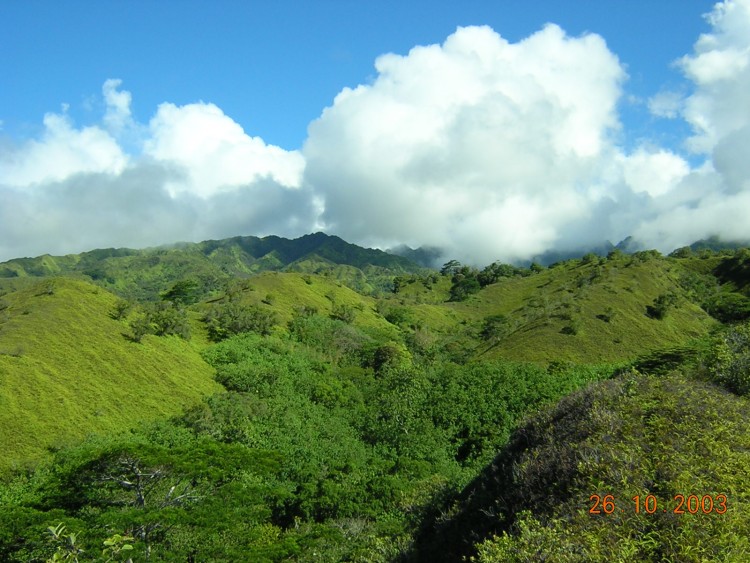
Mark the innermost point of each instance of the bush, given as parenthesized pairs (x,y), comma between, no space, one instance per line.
(160,319)
(494,327)
(231,318)
(343,312)
(661,305)
(120,310)
(463,288)
(728,361)
(728,307)
(183,292)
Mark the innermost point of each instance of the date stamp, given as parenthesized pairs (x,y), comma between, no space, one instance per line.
(680,504)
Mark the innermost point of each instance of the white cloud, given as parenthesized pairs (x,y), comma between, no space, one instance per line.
(215,152)
(61,152)
(117,116)
(478,145)
(666,104)
(198,176)
(714,199)
(655,173)
(720,69)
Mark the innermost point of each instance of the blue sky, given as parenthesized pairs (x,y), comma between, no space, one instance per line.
(274,65)
(145,122)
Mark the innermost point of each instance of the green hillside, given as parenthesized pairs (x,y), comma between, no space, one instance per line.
(67,370)
(143,274)
(331,403)
(662,439)
(590,310)
(284,294)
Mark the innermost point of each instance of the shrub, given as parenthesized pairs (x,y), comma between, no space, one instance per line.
(728,307)
(661,305)
(729,360)
(343,312)
(494,327)
(231,318)
(120,310)
(160,319)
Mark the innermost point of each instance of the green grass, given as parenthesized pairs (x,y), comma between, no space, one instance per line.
(285,293)
(575,312)
(62,353)
(67,370)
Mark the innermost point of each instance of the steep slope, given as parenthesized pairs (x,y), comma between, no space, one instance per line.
(683,445)
(67,370)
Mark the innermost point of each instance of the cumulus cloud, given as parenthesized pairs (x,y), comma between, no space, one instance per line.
(215,151)
(62,151)
(197,175)
(494,150)
(479,146)
(665,104)
(485,148)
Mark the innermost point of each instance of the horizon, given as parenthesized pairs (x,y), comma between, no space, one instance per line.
(492,132)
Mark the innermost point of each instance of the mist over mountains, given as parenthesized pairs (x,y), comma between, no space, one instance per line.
(487,149)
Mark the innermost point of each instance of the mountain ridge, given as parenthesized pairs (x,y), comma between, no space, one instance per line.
(144,273)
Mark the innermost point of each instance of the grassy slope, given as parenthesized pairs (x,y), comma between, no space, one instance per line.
(605,302)
(49,355)
(284,293)
(66,370)
(541,307)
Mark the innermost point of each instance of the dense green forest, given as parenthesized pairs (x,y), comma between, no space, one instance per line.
(310,400)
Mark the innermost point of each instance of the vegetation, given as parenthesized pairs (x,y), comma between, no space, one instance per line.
(371,410)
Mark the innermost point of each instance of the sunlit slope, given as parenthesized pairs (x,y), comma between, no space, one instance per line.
(143,274)
(590,312)
(578,311)
(66,369)
(286,293)
(594,310)
(657,437)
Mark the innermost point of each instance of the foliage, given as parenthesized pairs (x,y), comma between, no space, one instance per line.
(121,309)
(65,543)
(496,271)
(631,436)
(67,371)
(465,282)
(344,312)
(160,319)
(186,273)
(728,361)
(354,428)
(494,327)
(231,317)
(183,292)
(728,307)
(661,305)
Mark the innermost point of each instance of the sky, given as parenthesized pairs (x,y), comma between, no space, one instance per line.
(491,130)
